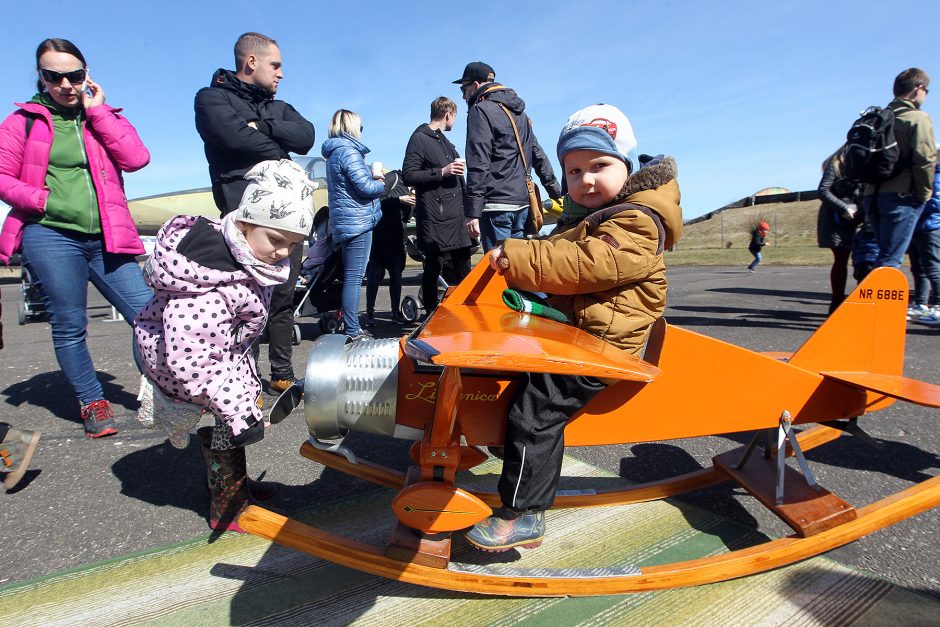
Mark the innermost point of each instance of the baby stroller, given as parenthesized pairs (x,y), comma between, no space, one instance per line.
(319,289)
(32,306)
(411,306)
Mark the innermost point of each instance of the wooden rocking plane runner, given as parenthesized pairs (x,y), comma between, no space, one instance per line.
(447,386)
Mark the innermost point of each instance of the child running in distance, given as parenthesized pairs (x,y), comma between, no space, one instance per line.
(604,265)
(758,241)
(212,282)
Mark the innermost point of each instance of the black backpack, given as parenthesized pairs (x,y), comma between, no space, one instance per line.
(872,154)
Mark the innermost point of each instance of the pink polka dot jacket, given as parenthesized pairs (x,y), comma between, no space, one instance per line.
(210,301)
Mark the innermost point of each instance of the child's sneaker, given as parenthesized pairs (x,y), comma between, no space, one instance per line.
(916,311)
(931,317)
(497,533)
(99,419)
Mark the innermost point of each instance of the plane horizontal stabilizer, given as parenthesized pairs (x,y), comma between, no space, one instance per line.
(895,386)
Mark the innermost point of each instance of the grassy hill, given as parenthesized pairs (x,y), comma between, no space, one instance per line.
(723,239)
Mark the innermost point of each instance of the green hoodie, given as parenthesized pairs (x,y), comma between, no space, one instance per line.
(72,202)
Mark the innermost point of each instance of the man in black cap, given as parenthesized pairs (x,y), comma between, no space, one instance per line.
(496,200)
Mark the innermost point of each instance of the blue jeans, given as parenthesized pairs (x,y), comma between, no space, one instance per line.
(893,221)
(757,259)
(496,226)
(61,263)
(355,255)
(925,266)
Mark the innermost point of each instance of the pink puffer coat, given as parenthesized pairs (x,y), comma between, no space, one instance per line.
(112,146)
(194,333)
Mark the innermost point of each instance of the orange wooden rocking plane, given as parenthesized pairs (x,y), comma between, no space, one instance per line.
(447,386)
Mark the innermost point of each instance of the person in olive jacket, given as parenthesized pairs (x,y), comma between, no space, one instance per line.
(242,125)
(431,166)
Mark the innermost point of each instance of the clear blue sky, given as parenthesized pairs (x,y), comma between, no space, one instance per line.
(745,95)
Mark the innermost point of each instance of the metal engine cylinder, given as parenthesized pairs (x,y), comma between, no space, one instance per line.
(351,386)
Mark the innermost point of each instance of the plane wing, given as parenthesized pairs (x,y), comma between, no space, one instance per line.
(472,328)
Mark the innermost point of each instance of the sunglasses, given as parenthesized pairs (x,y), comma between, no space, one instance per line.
(51,76)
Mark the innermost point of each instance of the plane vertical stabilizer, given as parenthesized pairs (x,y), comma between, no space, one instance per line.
(866,333)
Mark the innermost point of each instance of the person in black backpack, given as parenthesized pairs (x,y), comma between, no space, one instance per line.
(838,219)
(894,205)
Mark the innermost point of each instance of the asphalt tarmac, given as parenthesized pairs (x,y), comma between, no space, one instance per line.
(90,500)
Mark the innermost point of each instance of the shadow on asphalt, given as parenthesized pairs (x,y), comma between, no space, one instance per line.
(744,318)
(783,294)
(44,390)
(896,459)
(656,461)
(165,476)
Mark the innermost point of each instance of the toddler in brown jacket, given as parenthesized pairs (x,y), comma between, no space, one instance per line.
(603,267)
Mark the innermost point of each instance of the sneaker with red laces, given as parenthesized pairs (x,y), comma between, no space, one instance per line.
(99,419)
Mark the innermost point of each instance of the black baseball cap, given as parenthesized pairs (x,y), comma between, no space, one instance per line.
(476,72)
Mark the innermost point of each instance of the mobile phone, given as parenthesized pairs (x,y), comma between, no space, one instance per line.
(86,90)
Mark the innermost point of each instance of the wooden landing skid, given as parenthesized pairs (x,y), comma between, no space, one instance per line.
(749,561)
(665,488)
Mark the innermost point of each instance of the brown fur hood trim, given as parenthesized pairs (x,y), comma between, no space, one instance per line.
(650,177)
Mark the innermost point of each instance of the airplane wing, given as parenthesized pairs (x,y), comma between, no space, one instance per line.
(472,328)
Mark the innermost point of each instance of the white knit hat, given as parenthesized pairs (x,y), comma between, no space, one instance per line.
(279,196)
(600,127)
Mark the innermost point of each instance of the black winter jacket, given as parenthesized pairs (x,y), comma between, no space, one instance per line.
(439,215)
(758,241)
(494,169)
(223,111)
(837,192)
(389,234)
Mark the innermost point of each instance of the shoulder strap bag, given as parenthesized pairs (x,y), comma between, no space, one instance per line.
(533,223)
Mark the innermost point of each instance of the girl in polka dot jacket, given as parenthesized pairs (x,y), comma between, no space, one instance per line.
(212,282)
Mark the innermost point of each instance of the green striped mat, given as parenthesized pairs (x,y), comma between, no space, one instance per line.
(246,580)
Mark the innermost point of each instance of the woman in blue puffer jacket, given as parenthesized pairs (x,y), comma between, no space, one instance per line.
(354,207)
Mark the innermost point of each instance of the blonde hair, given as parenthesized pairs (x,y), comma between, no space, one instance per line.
(345,122)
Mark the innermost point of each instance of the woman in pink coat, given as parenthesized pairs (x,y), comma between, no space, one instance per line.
(61,158)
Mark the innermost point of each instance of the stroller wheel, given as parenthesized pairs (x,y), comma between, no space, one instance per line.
(297,336)
(21,313)
(410,309)
(330,323)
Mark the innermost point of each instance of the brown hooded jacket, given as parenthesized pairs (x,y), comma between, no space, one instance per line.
(607,273)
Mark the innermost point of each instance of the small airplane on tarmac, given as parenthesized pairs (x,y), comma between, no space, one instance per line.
(151,212)
(448,384)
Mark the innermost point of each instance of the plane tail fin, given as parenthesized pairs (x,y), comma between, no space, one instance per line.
(866,333)
(862,343)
